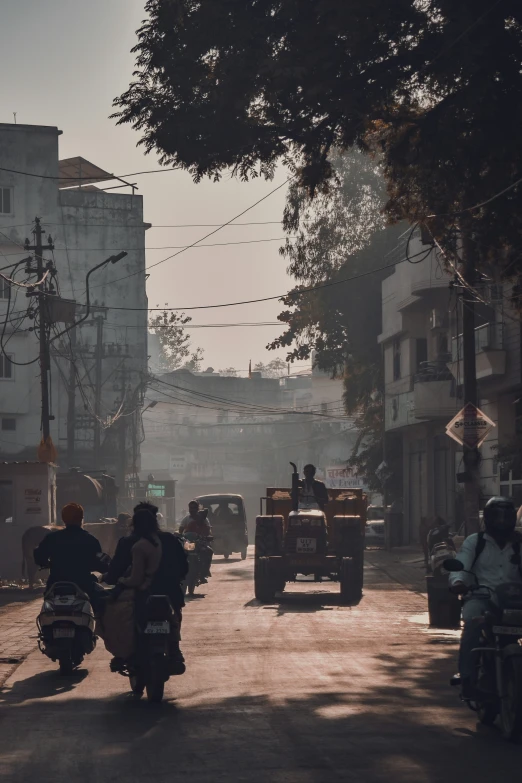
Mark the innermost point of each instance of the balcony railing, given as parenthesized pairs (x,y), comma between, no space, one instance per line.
(434,371)
(487,337)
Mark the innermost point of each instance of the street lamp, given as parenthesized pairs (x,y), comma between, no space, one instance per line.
(110,260)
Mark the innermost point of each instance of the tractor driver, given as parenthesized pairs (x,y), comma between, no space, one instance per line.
(312,488)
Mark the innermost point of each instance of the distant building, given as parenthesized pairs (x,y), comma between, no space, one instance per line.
(87,224)
(214,433)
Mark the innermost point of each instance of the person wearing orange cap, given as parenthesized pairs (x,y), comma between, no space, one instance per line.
(71,554)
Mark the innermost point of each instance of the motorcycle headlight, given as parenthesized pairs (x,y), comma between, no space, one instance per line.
(189,546)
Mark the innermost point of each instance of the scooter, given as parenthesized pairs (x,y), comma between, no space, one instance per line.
(194,545)
(66,626)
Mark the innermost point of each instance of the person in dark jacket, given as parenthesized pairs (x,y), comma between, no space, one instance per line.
(311,489)
(72,554)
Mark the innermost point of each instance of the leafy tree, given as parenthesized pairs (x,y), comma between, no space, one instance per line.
(340,235)
(228,372)
(434,85)
(276,368)
(175,348)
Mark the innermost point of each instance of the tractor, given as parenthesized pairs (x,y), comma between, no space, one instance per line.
(294,536)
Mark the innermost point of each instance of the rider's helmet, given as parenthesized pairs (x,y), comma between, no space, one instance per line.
(500,516)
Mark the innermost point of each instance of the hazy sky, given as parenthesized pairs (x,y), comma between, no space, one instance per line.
(64,62)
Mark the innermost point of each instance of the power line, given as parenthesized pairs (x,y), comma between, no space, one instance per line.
(202,239)
(237,403)
(168,247)
(148,226)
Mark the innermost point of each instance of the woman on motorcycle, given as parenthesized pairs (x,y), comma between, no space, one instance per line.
(117,626)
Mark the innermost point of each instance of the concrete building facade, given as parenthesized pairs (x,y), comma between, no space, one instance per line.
(423,371)
(87,224)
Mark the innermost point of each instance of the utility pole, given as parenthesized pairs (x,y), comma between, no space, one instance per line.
(471,456)
(122,434)
(71,402)
(98,387)
(43,327)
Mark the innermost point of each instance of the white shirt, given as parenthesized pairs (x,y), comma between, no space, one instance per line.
(493,566)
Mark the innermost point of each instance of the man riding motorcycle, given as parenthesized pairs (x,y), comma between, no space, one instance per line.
(197,522)
(493,556)
(72,554)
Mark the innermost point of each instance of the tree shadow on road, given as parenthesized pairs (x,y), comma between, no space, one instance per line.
(42,685)
(393,723)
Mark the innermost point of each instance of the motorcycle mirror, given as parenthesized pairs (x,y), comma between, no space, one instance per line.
(453,564)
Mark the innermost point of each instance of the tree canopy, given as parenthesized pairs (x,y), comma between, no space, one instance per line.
(434,85)
(175,347)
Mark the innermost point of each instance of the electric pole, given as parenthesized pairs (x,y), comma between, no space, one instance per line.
(471,456)
(43,327)
(98,321)
(71,401)
(122,434)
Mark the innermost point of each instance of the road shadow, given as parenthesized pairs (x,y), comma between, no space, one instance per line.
(294,602)
(42,685)
(222,560)
(394,721)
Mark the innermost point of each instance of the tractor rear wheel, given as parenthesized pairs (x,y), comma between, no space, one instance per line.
(265,588)
(351,588)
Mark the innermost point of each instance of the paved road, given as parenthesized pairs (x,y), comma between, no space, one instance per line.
(305,691)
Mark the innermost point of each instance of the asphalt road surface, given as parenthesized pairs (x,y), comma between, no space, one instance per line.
(303,691)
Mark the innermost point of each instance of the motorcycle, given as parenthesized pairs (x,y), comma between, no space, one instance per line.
(66,626)
(194,546)
(497,662)
(151,665)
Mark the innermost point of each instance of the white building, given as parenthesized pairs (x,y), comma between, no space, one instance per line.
(87,225)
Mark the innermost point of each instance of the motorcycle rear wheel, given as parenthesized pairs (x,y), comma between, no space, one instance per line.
(155,681)
(137,683)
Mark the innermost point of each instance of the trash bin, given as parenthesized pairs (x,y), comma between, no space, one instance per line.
(392,529)
(443,606)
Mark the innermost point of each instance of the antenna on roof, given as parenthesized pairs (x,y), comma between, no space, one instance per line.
(14,115)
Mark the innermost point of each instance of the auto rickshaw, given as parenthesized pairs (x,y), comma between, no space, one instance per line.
(227,517)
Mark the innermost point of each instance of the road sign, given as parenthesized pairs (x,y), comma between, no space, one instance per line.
(470,427)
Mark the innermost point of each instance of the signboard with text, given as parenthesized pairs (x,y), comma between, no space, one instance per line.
(342,477)
(470,427)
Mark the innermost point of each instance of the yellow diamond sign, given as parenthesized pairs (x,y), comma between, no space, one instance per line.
(470,427)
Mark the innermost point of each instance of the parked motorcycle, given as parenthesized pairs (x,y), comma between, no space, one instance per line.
(151,665)
(497,663)
(66,626)
(195,546)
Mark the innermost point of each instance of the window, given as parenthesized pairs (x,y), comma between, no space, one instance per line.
(6,368)
(6,501)
(324,408)
(9,425)
(396,360)
(421,347)
(4,289)
(6,201)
